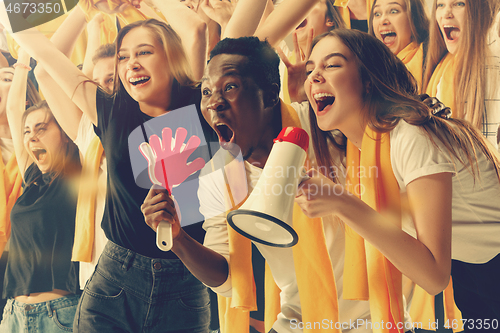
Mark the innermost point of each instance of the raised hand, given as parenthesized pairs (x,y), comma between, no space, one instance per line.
(219,11)
(297,71)
(317,195)
(103,6)
(167,159)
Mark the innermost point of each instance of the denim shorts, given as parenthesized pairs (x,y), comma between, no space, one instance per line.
(49,317)
(132,293)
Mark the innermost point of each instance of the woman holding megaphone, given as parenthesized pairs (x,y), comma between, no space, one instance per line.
(396,152)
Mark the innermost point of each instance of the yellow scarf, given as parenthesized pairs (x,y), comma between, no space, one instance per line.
(108,28)
(284,89)
(346,14)
(312,263)
(85,209)
(444,76)
(412,56)
(10,190)
(422,309)
(367,273)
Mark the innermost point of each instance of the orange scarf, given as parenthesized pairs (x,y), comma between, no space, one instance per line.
(85,209)
(312,262)
(422,309)
(108,28)
(368,275)
(346,14)
(10,190)
(413,56)
(443,76)
(284,89)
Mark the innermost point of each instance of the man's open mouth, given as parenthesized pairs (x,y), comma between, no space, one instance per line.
(224,132)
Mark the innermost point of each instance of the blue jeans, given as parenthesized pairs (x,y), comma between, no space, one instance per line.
(132,293)
(54,316)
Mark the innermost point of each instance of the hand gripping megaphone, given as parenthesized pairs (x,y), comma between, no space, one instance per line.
(266,216)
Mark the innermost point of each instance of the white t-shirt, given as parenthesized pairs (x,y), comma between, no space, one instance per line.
(83,139)
(212,194)
(475,206)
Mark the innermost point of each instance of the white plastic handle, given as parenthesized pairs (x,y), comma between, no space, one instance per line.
(150,155)
(164,239)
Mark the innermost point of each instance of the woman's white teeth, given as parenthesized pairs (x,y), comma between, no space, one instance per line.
(137,80)
(387,33)
(322,96)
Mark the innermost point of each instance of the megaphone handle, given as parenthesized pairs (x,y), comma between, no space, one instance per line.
(164,239)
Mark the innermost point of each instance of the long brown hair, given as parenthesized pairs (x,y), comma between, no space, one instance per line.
(391,99)
(417,17)
(470,80)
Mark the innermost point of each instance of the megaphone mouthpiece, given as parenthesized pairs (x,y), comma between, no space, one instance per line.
(294,135)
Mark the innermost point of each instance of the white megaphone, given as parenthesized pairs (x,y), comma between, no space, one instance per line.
(266,216)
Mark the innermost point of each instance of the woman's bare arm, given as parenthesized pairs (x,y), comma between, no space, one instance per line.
(16,104)
(192,30)
(284,19)
(426,259)
(58,66)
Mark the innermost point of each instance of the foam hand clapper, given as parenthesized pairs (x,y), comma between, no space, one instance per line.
(168,167)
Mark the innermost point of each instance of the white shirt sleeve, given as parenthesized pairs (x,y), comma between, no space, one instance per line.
(414,155)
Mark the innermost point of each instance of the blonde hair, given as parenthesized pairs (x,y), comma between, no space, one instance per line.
(470,80)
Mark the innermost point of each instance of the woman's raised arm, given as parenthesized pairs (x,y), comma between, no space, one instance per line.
(16,104)
(192,30)
(284,19)
(73,82)
(68,115)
